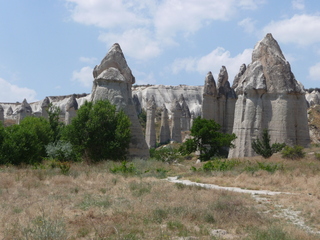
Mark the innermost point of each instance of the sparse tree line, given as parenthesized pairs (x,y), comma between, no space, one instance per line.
(100,132)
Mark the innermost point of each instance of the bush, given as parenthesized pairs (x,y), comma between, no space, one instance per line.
(168,154)
(99,132)
(25,143)
(293,153)
(262,147)
(220,165)
(60,150)
(207,138)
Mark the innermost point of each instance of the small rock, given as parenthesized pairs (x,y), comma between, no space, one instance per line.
(218,232)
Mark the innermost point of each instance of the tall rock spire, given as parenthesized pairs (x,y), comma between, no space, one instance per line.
(164,129)
(269,97)
(176,122)
(113,80)
(150,127)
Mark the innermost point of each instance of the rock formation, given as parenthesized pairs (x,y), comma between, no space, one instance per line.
(71,109)
(45,107)
(167,94)
(113,80)
(176,122)
(150,126)
(185,114)
(269,97)
(313,98)
(23,111)
(9,112)
(219,101)
(238,76)
(210,104)
(164,129)
(1,114)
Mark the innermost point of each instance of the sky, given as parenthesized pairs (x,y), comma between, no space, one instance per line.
(49,48)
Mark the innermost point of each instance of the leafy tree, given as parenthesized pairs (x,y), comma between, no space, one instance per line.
(262,146)
(208,139)
(55,124)
(99,132)
(25,143)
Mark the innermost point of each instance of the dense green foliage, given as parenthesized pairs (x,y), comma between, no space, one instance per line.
(55,125)
(293,153)
(208,139)
(99,132)
(263,147)
(168,154)
(26,142)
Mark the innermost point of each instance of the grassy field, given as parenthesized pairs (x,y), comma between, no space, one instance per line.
(111,200)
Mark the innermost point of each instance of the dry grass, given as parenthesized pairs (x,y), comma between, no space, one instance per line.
(92,203)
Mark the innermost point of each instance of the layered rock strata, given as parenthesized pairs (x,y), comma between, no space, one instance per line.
(150,125)
(269,97)
(176,122)
(71,109)
(113,80)
(164,129)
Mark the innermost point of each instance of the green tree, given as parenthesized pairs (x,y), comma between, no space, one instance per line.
(262,146)
(99,132)
(208,139)
(55,124)
(25,143)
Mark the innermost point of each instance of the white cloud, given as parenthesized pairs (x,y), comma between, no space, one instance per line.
(84,76)
(12,93)
(300,29)
(298,4)
(143,78)
(248,25)
(161,19)
(213,62)
(314,72)
(104,13)
(91,60)
(136,43)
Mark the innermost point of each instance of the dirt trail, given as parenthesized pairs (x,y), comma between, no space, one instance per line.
(287,213)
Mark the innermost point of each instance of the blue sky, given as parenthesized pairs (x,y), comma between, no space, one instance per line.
(49,48)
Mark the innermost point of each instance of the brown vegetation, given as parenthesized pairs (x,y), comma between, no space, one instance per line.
(90,202)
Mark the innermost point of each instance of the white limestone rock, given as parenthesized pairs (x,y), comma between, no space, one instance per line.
(113,80)
(71,109)
(23,111)
(269,97)
(150,125)
(167,94)
(164,129)
(176,122)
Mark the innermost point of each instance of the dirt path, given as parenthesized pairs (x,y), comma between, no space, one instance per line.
(281,212)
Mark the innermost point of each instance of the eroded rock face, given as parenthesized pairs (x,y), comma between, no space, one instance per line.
(1,114)
(269,97)
(219,101)
(45,107)
(23,111)
(176,122)
(164,129)
(185,114)
(150,126)
(71,109)
(113,80)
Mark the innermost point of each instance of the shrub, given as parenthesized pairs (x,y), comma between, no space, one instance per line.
(220,165)
(263,147)
(123,168)
(61,150)
(168,154)
(317,155)
(293,153)
(99,132)
(208,139)
(25,143)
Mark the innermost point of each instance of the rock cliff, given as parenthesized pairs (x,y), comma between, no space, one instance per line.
(113,80)
(269,97)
